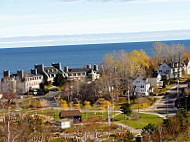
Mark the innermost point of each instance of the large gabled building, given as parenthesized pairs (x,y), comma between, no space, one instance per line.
(81,74)
(20,82)
(49,73)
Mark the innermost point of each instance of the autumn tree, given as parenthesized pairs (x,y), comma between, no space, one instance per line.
(64,104)
(148,131)
(119,68)
(174,53)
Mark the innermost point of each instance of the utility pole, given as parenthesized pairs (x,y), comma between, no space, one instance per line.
(128,93)
(109,122)
(8,127)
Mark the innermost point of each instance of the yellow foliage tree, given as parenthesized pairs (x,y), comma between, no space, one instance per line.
(87,105)
(106,103)
(64,104)
(77,106)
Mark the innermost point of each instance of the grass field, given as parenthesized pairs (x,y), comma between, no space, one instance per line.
(90,115)
(139,124)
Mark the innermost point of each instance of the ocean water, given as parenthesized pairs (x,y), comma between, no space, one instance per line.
(14,59)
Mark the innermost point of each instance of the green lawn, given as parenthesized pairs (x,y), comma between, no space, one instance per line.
(139,124)
(90,115)
(96,116)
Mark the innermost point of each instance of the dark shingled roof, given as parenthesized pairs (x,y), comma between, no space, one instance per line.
(69,113)
(79,70)
(50,70)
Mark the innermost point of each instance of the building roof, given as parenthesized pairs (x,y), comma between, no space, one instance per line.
(69,113)
(51,70)
(80,70)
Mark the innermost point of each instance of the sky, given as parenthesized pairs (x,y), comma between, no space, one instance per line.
(22,19)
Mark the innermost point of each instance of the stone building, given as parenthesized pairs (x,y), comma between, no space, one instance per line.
(20,82)
(81,74)
(49,73)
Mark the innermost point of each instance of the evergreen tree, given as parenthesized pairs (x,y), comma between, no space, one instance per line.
(59,80)
(126,109)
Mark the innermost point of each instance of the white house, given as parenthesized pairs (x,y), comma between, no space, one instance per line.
(141,85)
(164,70)
(170,70)
(187,67)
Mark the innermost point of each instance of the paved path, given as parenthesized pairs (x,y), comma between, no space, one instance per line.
(165,106)
(133,130)
(47,118)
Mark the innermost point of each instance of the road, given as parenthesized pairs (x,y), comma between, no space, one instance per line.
(165,106)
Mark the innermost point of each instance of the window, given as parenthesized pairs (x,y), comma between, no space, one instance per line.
(142,86)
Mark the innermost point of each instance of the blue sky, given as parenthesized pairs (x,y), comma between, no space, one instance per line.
(20,18)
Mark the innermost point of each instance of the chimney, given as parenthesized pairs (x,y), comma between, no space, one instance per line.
(34,71)
(6,73)
(57,66)
(66,69)
(20,73)
(88,66)
(95,67)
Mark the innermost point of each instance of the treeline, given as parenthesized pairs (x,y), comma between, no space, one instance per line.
(138,63)
(120,68)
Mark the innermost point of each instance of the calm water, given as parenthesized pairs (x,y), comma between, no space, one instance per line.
(14,59)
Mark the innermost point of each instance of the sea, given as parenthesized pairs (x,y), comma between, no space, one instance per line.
(73,56)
